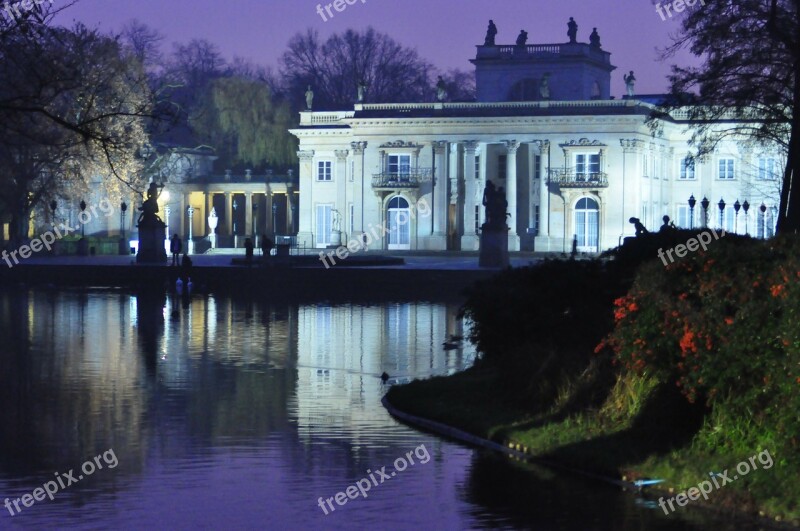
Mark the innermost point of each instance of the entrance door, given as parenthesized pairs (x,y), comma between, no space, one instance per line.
(398,216)
(587,216)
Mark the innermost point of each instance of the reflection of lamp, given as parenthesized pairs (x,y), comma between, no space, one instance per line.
(212,224)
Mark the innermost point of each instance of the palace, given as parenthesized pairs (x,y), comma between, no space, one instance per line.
(575,163)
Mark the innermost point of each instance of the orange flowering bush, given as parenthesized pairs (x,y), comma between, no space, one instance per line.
(721,323)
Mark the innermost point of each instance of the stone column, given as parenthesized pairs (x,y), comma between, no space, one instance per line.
(305,234)
(544,197)
(438,240)
(229,213)
(248,214)
(511,193)
(361,183)
(341,189)
(452,171)
(469,239)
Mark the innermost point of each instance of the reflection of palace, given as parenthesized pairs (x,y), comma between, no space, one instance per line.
(574,162)
(342,351)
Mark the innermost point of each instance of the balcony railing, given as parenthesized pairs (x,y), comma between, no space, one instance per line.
(569,178)
(406,179)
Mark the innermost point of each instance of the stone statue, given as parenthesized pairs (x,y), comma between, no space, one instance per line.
(309,98)
(149,209)
(572,30)
(495,204)
(491,33)
(441,89)
(594,39)
(544,87)
(641,230)
(522,39)
(630,82)
(362,90)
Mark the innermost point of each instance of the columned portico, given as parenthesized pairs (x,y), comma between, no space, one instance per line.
(512,146)
(438,239)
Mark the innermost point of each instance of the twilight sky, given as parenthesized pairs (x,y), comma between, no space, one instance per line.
(444,32)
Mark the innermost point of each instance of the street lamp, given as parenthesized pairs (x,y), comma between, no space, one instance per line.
(704,203)
(53,206)
(255,223)
(736,207)
(124,248)
(83,225)
(235,236)
(274,216)
(763,209)
(190,243)
(692,203)
(721,206)
(745,207)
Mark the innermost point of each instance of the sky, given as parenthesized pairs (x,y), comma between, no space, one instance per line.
(444,32)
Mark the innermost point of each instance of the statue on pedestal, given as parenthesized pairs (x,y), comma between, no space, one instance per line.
(149,209)
(151,229)
(630,82)
(594,39)
(494,201)
(522,39)
(572,30)
(362,90)
(491,33)
(309,98)
(441,89)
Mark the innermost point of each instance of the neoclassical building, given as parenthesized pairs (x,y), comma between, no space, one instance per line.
(574,163)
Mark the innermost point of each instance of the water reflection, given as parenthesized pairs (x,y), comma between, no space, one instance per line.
(262,408)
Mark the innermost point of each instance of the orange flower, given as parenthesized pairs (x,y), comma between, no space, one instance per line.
(729,320)
(632,307)
(777,290)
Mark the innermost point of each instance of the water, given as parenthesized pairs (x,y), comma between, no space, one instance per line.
(236,414)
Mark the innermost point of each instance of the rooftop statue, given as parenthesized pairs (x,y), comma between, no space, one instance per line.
(491,33)
(594,39)
(441,89)
(572,30)
(544,87)
(522,39)
(630,82)
(362,90)
(309,98)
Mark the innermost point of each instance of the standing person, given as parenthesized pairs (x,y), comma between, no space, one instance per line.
(248,250)
(266,246)
(175,247)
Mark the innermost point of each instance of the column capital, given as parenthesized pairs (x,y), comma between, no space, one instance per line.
(341,154)
(358,147)
(305,156)
(439,146)
(630,145)
(470,145)
(541,144)
(511,146)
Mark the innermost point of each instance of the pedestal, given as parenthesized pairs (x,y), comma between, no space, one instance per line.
(123,247)
(152,240)
(494,248)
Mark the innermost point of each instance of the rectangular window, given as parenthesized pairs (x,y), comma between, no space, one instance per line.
(477,166)
(502,166)
(324,170)
(536,220)
(537,167)
(399,165)
(477,218)
(352,210)
(683,216)
(587,166)
(766,168)
(352,169)
(687,168)
(726,169)
(324,224)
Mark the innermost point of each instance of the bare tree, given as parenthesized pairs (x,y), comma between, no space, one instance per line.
(748,88)
(335,68)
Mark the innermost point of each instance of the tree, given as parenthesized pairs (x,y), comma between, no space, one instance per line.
(748,87)
(73,107)
(241,120)
(144,44)
(334,69)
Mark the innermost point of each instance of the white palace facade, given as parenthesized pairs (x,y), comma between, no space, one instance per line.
(574,163)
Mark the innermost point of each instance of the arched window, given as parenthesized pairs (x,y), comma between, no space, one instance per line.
(587,217)
(398,216)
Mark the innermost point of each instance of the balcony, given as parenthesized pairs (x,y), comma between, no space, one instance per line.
(568,178)
(407,179)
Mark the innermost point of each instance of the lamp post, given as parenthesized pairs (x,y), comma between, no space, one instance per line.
(721,206)
(745,207)
(255,223)
(190,243)
(692,203)
(274,217)
(53,207)
(736,207)
(704,203)
(83,225)
(235,236)
(124,248)
(83,245)
(763,209)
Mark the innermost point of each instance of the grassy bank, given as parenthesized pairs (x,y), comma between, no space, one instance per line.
(634,370)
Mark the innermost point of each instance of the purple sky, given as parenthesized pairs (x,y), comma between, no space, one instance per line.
(444,32)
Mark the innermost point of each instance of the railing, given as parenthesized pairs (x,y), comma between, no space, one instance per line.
(407,179)
(506,51)
(568,178)
(324,118)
